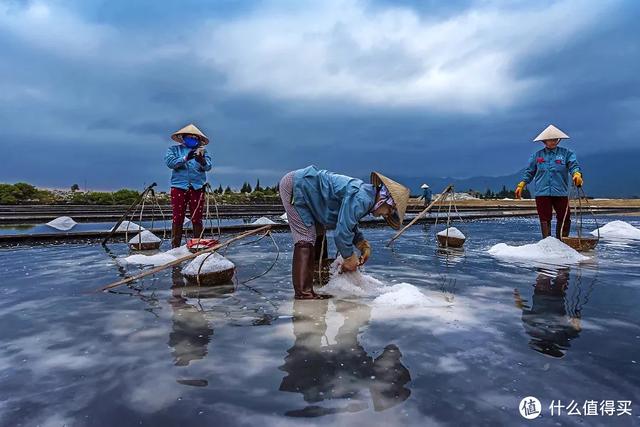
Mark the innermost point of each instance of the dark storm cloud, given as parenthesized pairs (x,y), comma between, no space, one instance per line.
(94,89)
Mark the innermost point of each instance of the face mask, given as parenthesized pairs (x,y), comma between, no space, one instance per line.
(190,142)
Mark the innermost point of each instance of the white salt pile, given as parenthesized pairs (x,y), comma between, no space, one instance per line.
(145,237)
(263,221)
(213,262)
(406,295)
(453,232)
(128,226)
(62,223)
(618,230)
(284,217)
(549,250)
(158,259)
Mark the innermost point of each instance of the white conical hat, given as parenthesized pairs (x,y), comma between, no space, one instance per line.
(551,132)
(424,186)
(190,129)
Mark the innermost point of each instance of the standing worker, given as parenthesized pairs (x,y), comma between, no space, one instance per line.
(549,168)
(318,199)
(426,194)
(189,162)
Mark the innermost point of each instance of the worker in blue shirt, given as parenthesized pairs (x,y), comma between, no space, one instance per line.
(549,168)
(315,200)
(426,194)
(189,163)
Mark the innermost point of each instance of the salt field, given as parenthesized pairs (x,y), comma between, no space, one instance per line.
(421,336)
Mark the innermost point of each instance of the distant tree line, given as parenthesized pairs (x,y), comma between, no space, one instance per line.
(502,194)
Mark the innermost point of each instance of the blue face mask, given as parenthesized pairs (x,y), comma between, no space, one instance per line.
(190,142)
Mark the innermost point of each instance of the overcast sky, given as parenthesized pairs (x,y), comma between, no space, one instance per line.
(90,91)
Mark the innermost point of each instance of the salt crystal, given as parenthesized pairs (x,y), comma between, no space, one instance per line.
(263,221)
(145,237)
(549,250)
(618,230)
(453,232)
(128,226)
(213,262)
(62,223)
(406,295)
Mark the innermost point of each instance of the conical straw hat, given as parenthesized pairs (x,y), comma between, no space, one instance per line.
(551,132)
(190,129)
(423,186)
(399,194)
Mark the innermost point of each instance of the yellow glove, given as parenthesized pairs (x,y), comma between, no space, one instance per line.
(519,188)
(351,263)
(365,250)
(577,179)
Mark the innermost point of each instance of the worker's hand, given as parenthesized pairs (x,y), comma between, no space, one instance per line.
(519,189)
(190,155)
(365,250)
(577,179)
(199,152)
(351,263)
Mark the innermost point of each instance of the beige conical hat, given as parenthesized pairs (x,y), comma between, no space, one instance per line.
(399,194)
(551,132)
(423,186)
(190,129)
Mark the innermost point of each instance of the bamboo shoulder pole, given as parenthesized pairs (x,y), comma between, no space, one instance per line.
(421,214)
(180,260)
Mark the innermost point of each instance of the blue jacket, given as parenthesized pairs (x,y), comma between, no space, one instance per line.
(186,173)
(335,201)
(550,170)
(427,194)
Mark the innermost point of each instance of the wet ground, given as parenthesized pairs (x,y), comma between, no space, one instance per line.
(163,354)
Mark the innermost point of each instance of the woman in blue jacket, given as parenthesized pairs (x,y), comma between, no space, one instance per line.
(189,163)
(550,168)
(318,199)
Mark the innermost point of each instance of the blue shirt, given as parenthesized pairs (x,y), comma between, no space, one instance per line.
(186,173)
(335,201)
(550,170)
(426,194)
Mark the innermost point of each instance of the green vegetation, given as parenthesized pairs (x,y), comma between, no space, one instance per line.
(22,192)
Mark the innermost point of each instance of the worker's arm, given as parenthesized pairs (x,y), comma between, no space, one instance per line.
(173,160)
(531,169)
(347,232)
(204,160)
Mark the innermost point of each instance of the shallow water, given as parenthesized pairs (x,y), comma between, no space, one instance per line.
(162,354)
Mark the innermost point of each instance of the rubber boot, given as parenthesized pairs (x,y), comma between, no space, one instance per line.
(302,271)
(197,230)
(176,235)
(545,228)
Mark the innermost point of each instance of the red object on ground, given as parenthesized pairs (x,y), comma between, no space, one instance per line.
(201,243)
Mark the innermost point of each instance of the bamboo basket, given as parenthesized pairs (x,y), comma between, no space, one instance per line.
(581,244)
(450,241)
(214,278)
(148,246)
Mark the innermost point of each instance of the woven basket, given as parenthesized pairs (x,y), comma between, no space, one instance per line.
(212,279)
(148,246)
(450,241)
(581,244)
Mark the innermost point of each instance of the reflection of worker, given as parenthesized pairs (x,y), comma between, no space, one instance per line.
(314,198)
(426,194)
(549,168)
(342,370)
(547,322)
(189,162)
(190,330)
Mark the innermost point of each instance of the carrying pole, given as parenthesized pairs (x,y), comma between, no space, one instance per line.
(180,260)
(422,214)
(133,205)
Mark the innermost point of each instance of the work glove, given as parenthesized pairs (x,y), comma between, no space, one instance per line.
(577,179)
(199,152)
(189,155)
(365,250)
(350,263)
(519,189)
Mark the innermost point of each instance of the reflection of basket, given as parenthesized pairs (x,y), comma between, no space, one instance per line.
(213,278)
(145,246)
(450,241)
(581,243)
(321,278)
(219,291)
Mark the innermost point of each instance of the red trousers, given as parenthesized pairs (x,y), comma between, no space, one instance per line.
(180,199)
(547,204)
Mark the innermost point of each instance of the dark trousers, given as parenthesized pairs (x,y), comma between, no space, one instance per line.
(547,204)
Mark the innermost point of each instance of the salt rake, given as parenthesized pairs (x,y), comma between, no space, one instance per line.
(178,261)
(580,242)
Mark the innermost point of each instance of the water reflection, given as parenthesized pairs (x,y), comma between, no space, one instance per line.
(190,330)
(344,370)
(553,319)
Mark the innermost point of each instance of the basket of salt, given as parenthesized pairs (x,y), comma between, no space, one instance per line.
(145,241)
(451,237)
(209,269)
(581,244)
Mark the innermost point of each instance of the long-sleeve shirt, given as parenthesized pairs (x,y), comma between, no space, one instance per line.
(550,170)
(335,201)
(185,172)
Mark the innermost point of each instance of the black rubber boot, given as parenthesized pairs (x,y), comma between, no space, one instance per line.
(545,228)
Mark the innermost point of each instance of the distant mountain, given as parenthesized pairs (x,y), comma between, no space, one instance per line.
(612,174)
